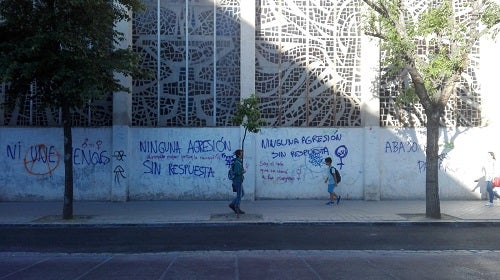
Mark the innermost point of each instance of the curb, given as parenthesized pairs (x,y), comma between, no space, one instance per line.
(234,224)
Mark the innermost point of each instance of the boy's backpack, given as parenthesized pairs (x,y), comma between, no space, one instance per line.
(336,175)
(230,172)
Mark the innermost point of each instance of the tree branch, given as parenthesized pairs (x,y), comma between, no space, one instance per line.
(378,8)
(376,35)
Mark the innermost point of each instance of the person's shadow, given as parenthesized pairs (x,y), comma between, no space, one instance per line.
(481,185)
(479,182)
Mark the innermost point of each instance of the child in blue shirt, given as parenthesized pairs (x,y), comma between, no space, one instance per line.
(332,184)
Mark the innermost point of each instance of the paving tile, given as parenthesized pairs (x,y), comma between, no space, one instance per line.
(258,211)
(144,266)
(218,267)
(274,266)
(15,263)
(59,267)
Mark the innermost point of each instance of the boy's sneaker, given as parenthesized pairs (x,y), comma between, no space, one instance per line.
(233,208)
(338,199)
(329,203)
(489,204)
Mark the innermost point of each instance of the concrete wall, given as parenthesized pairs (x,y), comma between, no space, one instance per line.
(123,163)
(33,169)
(282,163)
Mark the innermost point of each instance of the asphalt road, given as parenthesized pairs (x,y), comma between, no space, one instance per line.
(234,237)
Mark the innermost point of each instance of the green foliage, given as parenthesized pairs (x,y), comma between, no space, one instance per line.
(491,17)
(395,44)
(432,47)
(67,48)
(441,29)
(435,20)
(432,50)
(407,97)
(247,114)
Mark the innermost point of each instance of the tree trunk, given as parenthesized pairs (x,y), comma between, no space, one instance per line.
(68,164)
(433,208)
(243,143)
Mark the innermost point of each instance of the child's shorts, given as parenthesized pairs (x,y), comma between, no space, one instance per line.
(331,188)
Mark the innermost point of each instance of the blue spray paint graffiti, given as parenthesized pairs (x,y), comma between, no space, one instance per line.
(187,163)
(312,148)
(341,152)
(304,140)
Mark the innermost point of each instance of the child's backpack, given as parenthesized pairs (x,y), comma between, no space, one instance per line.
(336,175)
(230,172)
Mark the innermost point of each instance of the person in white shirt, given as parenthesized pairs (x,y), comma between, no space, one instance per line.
(489,174)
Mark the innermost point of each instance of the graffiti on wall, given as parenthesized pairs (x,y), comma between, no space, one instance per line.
(398,147)
(40,159)
(90,154)
(119,171)
(286,160)
(402,148)
(193,158)
(44,159)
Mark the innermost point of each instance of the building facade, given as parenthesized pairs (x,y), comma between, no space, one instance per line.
(323,92)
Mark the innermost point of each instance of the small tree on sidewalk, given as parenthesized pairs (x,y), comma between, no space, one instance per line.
(247,114)
(67,50)
(432,49)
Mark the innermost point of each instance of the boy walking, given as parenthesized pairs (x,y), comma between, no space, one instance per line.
(238,182)
(332,183)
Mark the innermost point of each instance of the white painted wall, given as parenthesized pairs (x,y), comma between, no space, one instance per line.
(33,168)
(402,159)
(176,163)
(282,163)
(290,162)
(376,163)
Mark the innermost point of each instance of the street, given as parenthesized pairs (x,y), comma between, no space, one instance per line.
(251,251)
(130,241)
(234,237)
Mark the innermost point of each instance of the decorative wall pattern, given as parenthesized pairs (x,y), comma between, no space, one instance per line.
(308,62)
(307,70)
(211,95)
(32,113)
(463,109)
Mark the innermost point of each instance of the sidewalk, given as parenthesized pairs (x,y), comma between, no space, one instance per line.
(259,211)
